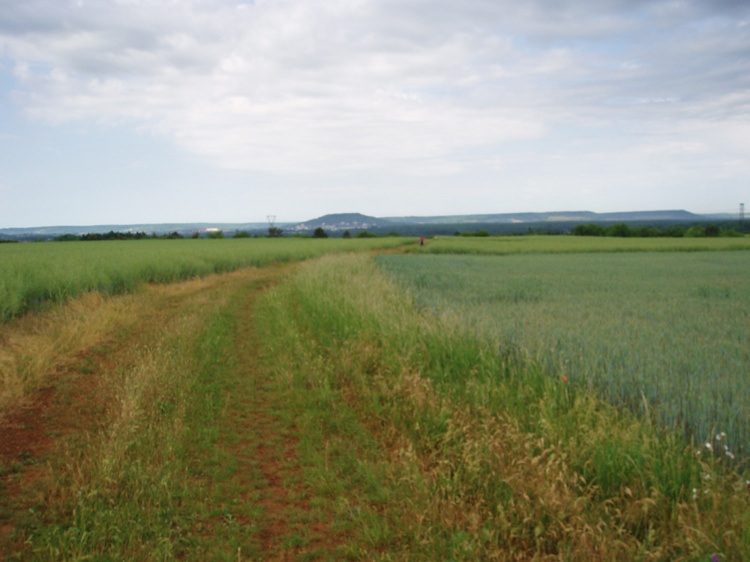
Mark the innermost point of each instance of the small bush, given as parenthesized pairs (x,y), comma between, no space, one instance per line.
(621,230)
(591,229)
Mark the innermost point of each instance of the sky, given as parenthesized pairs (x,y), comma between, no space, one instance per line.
(159,111)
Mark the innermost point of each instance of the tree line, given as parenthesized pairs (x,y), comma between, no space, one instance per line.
(622,230)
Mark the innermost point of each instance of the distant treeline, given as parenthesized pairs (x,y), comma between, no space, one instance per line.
(622,230)
(552,228)
(112,235)
(636,230)
(273,232)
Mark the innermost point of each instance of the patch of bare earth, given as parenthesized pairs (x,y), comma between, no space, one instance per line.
(290,526)
(73,402)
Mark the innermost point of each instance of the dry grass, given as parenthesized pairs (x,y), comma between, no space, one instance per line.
(36,346)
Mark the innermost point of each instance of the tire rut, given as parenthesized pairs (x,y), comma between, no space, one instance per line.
(290,527)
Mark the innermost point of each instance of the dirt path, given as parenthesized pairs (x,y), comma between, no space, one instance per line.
(290,526)
(265,493)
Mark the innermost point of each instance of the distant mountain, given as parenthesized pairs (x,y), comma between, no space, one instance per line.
(342,221)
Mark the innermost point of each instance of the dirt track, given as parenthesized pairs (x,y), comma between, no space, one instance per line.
(255,432)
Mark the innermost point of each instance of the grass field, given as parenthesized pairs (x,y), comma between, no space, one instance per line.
(35,275)
(351,407)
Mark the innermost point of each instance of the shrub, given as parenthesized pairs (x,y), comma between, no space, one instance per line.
(591,229)
(712,231)
(621,230)
(675,232)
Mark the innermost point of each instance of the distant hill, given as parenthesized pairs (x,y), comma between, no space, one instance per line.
(497,223)
(342,221)
(560,216)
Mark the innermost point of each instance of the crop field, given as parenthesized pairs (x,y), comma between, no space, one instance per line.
(667,334)
(501,245)
(516,399)
(33,275)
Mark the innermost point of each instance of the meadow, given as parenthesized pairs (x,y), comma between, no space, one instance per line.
(416,406)
(33,275)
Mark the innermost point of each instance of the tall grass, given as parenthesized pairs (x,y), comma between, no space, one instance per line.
(502,245)
(665,334)
(33,348)
(465,449)
(35,275)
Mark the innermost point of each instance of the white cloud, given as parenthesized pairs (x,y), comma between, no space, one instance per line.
(413,86)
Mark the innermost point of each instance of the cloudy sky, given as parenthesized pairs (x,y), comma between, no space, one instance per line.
(138,111)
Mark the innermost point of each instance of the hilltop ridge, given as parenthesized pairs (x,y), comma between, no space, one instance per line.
(558,221)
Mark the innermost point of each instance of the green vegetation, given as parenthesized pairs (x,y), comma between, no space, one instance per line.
(448,444)
(623,230)
(476,233)
(170,468)
(35,275)
(502,245)
(422,406)
(664,334)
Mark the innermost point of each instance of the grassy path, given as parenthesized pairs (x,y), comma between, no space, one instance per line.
(258,432)
(163,437)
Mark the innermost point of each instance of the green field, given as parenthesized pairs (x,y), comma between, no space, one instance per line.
(457,401)
(34,275)
(500,245)
(667,334)
(473,448)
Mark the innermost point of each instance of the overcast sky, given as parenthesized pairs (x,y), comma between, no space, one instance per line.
(143,111)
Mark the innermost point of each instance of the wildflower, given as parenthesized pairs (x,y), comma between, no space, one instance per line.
(565,378)
(709,446)
(729,454)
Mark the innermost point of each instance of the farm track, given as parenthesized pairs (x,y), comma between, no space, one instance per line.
(254,430)
(257,412)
